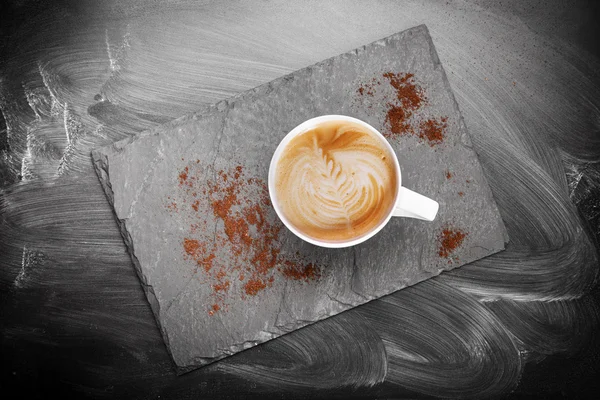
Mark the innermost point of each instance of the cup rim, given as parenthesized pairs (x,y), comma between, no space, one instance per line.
(303,127)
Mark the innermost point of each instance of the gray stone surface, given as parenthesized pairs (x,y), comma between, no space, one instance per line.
(153,205)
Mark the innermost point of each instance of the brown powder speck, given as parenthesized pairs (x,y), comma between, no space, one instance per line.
(253,286)
(246,235)
(214,309)
(183,175)
(409,97)
(450,239)
(461,194)
(207,262)
(197,251)
(448,174)
(221,286)
(433,130)
(221,274)
(397,120)
(367,88)
(191,246)
(300,272)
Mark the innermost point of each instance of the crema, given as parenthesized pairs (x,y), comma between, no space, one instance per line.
(336,181)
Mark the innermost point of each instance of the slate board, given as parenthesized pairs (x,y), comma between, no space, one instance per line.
(205,312)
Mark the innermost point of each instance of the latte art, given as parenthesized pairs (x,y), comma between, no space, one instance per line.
(336,181)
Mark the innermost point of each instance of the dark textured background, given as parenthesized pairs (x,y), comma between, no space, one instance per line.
(142,173)
(78,74)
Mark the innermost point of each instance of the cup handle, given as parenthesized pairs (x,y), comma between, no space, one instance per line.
(414,205)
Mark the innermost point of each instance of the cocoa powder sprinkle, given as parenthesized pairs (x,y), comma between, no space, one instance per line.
(183,175)
(248,239)
(409,94)
(433,130)
(297,272)
(397,119)
(253,286)
(450,240)
(408,99)
(191,246)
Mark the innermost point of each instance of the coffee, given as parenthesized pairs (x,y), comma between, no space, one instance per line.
(336,181)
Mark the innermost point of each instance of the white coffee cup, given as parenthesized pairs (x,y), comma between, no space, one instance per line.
(407,204)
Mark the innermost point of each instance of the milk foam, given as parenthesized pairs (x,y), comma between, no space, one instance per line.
(336,181)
